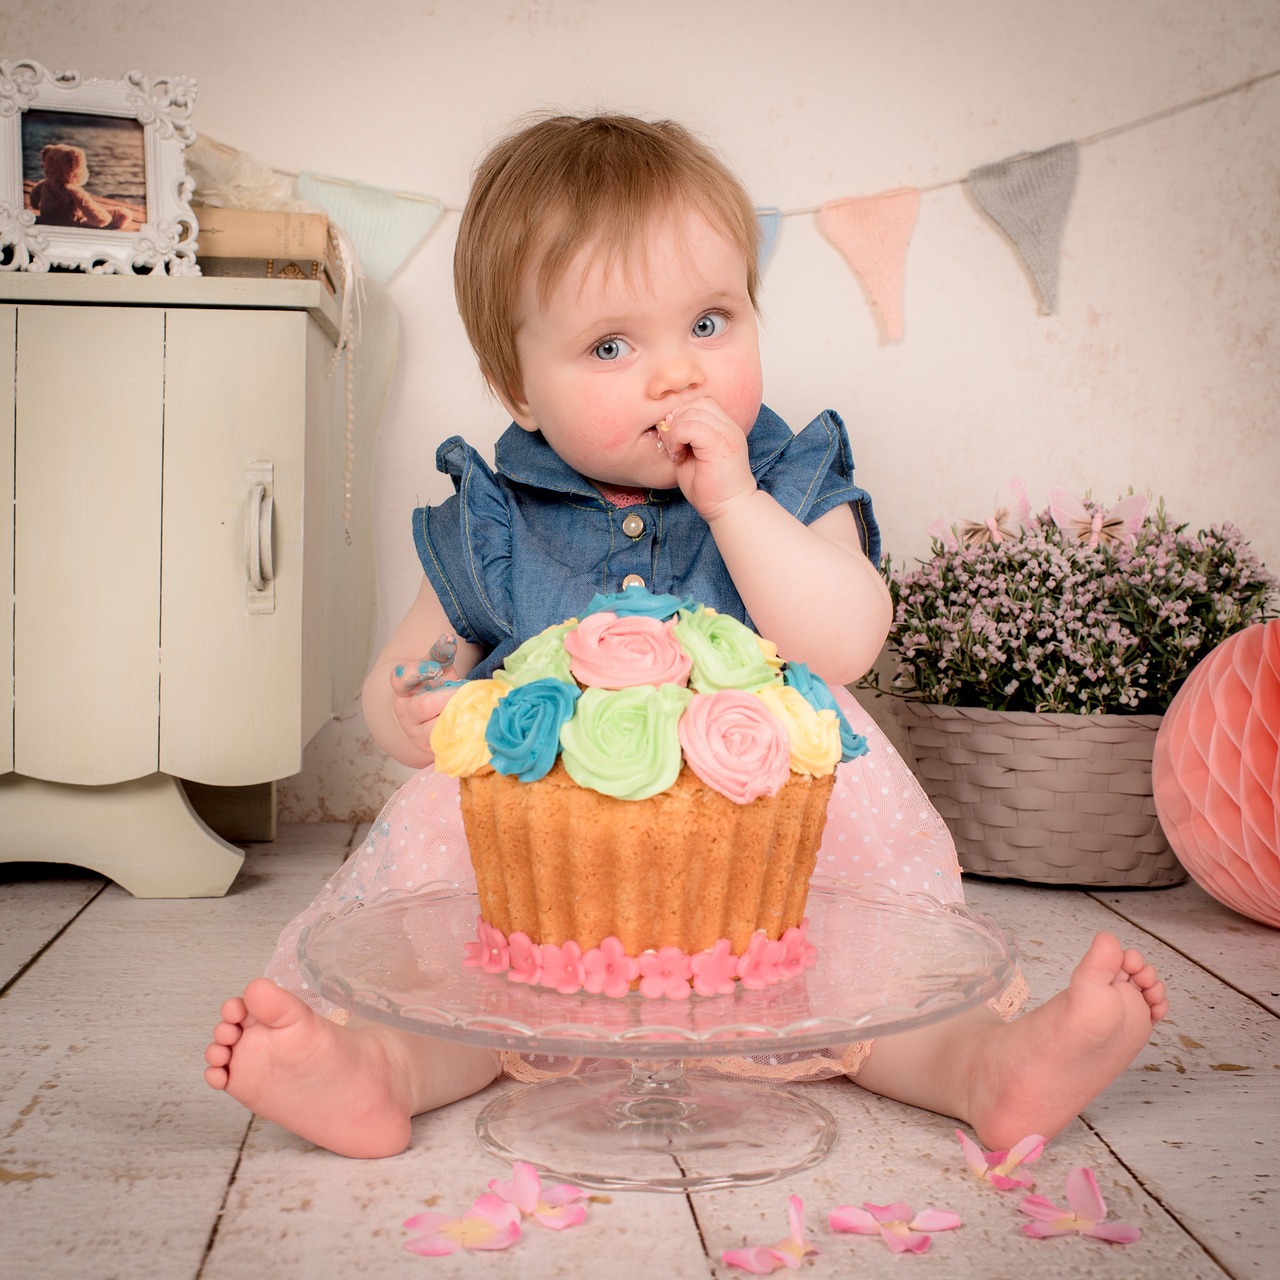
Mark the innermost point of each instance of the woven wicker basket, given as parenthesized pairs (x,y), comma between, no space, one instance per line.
(1055,799)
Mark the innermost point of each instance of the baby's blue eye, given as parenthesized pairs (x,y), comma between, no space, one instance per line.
(611,349)
(710,325)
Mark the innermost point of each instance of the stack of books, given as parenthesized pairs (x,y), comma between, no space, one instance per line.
(267,244)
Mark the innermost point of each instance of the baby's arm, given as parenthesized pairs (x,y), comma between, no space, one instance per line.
(809,588)
(398,716)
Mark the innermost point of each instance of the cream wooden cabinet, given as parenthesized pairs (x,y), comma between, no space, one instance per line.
(186,599)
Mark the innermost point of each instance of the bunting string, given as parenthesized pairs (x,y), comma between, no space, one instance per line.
(1026,197)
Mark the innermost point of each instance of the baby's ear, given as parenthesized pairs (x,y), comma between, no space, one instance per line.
(514,403)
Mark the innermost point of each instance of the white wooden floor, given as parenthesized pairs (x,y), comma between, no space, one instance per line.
(117,1161)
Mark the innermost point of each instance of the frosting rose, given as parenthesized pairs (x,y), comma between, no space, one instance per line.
(725,653)
(541,657)
(615,653)
(735,745)
(523,731)
(623,742)
(815,735)
(819,696)
(637,602)
(458,738)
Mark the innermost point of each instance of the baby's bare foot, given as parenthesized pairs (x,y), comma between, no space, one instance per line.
(1036,1073)
(334,1086)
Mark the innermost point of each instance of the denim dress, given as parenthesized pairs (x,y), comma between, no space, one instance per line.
(527,544)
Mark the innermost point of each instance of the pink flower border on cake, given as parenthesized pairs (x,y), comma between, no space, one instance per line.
(668,973)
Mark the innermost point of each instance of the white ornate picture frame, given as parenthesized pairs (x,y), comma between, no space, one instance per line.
(127,207)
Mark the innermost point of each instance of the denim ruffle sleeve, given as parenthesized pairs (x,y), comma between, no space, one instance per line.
(464,545)
(818,476)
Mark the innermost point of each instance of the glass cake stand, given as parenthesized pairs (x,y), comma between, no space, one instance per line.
(887,963)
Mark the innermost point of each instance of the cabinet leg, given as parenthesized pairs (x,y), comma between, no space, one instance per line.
(143,834)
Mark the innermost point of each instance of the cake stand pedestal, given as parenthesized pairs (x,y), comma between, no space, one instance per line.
(887,963)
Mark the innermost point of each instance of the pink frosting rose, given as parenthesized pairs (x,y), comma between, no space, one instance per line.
(612,652)
(733,743)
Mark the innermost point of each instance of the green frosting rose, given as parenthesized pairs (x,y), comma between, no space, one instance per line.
(726,654)
(541,657)
(623,742)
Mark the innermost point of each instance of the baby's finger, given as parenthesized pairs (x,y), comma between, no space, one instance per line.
(411,678)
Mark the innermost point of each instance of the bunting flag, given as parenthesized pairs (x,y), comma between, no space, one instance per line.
(385,226)
(1027,198)
(770,219)
(872,233)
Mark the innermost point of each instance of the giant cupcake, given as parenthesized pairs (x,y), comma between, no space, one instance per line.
(644,790)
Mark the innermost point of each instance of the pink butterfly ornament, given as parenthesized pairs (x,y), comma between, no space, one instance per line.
(1090,526)
(789,1253)
(1085,1216)
(996,1167)
(895,1224)
(1012,512)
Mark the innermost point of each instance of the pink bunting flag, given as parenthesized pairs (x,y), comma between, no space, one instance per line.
(1027,198)
(872,233)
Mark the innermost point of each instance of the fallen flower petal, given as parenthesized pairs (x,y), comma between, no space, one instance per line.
(555,1207)
(789,1253)
(894,1223)
(996,1167)
(490,1223)
(1084,1217)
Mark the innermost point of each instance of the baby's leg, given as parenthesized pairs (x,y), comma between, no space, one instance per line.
(352,1089)
(1036,1073)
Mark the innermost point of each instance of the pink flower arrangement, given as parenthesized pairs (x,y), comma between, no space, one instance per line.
(1079,609)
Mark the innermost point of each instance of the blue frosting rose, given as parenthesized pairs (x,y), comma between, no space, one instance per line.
(638,602)
(815,692)
(523,733)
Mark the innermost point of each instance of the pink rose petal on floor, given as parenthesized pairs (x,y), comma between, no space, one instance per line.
(789,1253)
(996,1167)
(895,1224)
(556,1207)
(1086,1215)
(490,1223)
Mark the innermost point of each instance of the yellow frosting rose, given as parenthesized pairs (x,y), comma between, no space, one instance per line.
(458,738)
(815,735)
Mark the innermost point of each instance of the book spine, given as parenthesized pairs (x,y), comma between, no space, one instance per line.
(254,233)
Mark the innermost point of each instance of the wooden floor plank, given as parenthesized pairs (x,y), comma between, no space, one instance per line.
(317,1215)
(1240,951)
(1195,1117)
(36,902)
(115,1158)
(116,1154)
(887,1152)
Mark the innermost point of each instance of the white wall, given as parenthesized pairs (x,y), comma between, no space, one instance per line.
(1160,369)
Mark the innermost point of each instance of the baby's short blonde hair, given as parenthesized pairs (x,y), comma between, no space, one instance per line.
(63,163)
(565,183)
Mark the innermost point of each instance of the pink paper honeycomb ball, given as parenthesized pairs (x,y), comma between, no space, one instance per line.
(1216,773)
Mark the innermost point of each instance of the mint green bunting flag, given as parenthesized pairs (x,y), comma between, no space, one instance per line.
(384,226)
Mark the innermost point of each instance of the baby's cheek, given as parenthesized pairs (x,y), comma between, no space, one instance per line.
(741,397)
